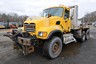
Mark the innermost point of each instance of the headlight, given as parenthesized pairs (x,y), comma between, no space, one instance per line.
(42,34)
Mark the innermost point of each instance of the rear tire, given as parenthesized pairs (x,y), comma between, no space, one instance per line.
(87,34)
(83,37)
(53,47)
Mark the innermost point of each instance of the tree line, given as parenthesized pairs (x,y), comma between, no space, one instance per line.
(89,17)
(12,17)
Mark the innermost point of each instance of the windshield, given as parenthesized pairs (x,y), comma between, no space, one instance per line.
(53,12)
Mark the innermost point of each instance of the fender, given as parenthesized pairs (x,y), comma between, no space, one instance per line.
(54,33)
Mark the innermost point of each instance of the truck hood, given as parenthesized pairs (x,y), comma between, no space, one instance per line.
(43,20)
(40,20)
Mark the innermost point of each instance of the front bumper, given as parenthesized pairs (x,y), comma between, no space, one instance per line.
(25,41)
(27,45)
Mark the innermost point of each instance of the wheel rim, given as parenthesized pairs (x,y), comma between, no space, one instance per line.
(56,48)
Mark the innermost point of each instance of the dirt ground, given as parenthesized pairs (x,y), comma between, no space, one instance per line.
(74,53)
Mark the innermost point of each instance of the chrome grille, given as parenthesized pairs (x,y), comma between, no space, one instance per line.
(30,27)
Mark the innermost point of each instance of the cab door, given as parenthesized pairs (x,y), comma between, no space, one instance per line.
(67,22)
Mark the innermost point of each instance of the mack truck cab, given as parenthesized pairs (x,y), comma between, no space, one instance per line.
(56,26)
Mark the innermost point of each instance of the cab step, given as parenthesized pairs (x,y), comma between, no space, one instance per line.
(68,38)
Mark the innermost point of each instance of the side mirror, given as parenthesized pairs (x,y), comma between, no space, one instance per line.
(49,15)
(72,14)
(71,17)
(65,17)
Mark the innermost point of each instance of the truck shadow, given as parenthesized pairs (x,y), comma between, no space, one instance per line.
(67,50)
(70,49)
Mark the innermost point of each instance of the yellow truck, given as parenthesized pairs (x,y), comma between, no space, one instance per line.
(2,26)
(56,26)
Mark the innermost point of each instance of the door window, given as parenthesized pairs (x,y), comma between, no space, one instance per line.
(66,15)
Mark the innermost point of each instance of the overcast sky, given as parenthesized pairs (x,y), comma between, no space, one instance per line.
(34,7)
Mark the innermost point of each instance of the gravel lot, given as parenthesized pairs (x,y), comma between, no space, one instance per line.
(74,53)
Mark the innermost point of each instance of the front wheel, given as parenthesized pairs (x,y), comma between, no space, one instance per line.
(53,47)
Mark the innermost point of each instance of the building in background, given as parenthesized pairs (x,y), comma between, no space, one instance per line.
(6,24)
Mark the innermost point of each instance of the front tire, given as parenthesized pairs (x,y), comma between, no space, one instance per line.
(53,47)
